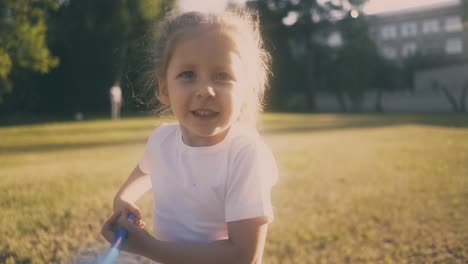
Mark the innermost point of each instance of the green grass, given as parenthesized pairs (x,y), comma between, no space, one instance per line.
(352,189)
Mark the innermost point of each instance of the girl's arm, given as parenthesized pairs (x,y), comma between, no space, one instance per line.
(245,244)
(131,190)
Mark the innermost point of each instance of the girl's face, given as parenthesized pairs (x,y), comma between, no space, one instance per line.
(204,86)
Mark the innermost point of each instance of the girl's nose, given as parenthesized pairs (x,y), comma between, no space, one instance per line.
(206,89)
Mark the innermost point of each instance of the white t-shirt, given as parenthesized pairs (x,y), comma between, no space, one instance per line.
(198,190)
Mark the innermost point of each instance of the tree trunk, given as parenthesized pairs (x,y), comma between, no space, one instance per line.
(341,101)
(123,58)
(310,70)
(309,89)
(378,101)
(356,102)
(450,98)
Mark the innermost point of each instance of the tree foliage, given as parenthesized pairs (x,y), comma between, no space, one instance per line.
(303,60)
(354,67)
(98,43)
(23,43)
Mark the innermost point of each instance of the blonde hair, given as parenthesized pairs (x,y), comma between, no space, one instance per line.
(243,27)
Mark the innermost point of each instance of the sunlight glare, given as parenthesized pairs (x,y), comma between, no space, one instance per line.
(206,5)
(291,18)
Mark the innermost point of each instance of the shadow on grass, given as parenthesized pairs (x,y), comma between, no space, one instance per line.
(77,130)
(38,119)
(12,256)
(352,121)
(67,146)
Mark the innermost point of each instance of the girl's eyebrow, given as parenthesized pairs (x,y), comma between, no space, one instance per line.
(222,67)
(186,65)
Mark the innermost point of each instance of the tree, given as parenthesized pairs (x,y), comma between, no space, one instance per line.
(98,43)
(312,20)
(23,46)
(355,64)
(387,78)
(275,36)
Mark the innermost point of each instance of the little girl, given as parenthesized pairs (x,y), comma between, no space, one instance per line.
(211,173)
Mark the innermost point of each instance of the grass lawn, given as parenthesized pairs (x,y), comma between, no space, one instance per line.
(352,189)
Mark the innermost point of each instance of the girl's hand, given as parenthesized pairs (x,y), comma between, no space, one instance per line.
(124,207)
(136,235)
(109,227)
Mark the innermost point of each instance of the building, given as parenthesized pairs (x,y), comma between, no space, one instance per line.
(436,29)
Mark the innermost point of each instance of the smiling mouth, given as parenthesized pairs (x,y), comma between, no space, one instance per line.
(204,113)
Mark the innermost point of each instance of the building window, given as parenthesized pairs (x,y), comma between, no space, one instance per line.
(454,46)
(409,29)
(430,26)
(389,52)
(408,49)
(389,32)
(453,23)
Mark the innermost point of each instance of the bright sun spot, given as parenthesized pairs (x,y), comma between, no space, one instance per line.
(291,18)
(206,5)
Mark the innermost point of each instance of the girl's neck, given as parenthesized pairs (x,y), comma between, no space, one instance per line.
(193,140)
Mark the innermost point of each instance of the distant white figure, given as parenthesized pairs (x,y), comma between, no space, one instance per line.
(116,100)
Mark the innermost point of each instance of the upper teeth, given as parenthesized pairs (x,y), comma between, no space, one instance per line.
(204,112)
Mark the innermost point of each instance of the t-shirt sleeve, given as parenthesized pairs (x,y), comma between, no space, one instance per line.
(249,184)
(150,148)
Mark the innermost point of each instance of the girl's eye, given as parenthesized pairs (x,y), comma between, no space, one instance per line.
(187,75)
(222,76)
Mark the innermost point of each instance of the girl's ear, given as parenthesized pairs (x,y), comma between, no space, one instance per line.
(163,92)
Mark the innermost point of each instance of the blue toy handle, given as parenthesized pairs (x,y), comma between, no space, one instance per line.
(121,234)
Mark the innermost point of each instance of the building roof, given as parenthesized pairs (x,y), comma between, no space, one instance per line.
(417,9)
